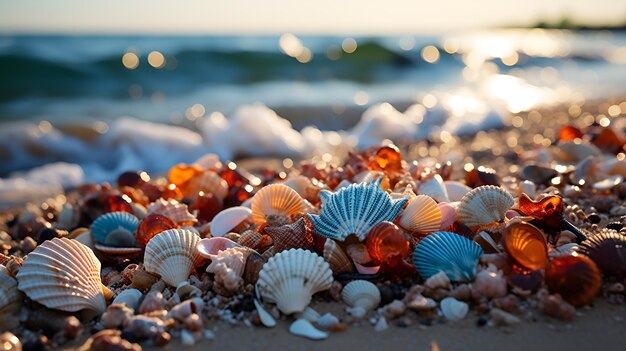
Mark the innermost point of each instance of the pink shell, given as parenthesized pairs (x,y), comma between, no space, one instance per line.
(448,215)
(210,247)
(366,270)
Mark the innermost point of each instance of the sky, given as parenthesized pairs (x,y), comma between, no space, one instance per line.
(299,16)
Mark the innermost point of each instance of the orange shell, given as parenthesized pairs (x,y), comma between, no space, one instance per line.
(576,278)
(387,159)
(275,199)
(569,133)
(526,245)
(385,244)
(549,210)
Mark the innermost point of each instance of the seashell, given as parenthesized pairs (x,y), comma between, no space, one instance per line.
(576,278)
(354,210)
(489,283)
(371,176)
(264,316)
(456,190)
(228,219)
(574,151)
(438,281)
(328,321)
(172,254)
(207,182)
(151,226)
(407,193)
(309,314)
(435,188)
(448,215)
(608,250)
(487,242)
(448,252)
(422,215)
(343,184)
(453,309)
(386,244)
(173,210)
(362,296)
(187,291)
(302,327)
(275,199)
(337,259)
(421,303)
(129,297)
(209,162)
(527,187)
(10,300)
(526,245)
(251,239)
(502,318)
(538,174)
(484,205)
(68,217)
(368,270)
(63,274)
(228,266)
(548,210)
(290,278)
(608,183)
(115,229)
(186,308)
(359,253)
(292,236)
(210,247)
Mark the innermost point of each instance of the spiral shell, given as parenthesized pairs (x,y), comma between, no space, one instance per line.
(63,274)
(422,215)
(115,229)
(354,210)
(337,259)
(526,245)
(448,252)
(173,210)
(228,219)
(291,236)
(362,295)
(290,278)
(172,254)
(608,251)
(484,205)
(275,199)
(435,188)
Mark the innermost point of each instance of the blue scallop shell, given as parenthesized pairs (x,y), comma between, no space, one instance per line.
(354,210)
(105,224)
(451,253)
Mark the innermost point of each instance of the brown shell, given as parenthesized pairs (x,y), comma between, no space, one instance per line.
(576,278)
(291,236)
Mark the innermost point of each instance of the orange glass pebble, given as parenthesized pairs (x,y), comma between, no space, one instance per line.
(608,140)
(207,205)
(182,173)
(387,159)
(151,226)
(233,178)
(386,244)
(549,210)
(569,133)
(576,278)
(237,195)
(480,176)
(171,191)
(526,245)
(118,203)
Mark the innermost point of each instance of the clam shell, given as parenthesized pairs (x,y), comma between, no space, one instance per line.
(526,245)
(574,151)
(228,219)
(453,309)
(448,252)
(209,247)
(484,205)
(337,258)
(456,190)
(114,222)
(302,327)
(63,274)
(10,297)
(354,210)
(173,210)
(290,278)
(608,251)
(608,183)
(362,296)
(435,188)
(172,254)
(208,182)
(422,215)
(275,199)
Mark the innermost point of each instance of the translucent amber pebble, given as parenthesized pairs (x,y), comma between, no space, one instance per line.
(526,245)
(548,211)
(386,244)
(118,203)
(182,173)
(569,133)
(481,176)
(608,140)
(152,191)
(171,191)
(387,159)
(132,179)
(151,226)
(237,195)
(576,278)
(233,178)
(207,205)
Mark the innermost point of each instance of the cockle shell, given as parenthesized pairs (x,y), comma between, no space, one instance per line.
(10,300)
(63,274)
(208,182)
(292,236)
(173,210)
(275,199)
(422,215)
(608,251)
(172,254)
(337,259)
(526,245)
(228,219)
(362,296)
(456,190)
(290,278)
(448,252)
(354,210)
(435,188)
(484,205)
(453,309)
(115,229)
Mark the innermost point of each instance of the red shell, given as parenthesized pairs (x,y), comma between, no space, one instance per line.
(569,133)
(576,278)
(233,178)
(608,251)
(132,179)
(118,203)
(526,245)
(386,244)
(480,176)
(151,226)
(387,159)
(548,211)
(207,205)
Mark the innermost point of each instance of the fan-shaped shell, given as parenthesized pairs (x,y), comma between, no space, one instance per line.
(172,254)
(608,251)
(453,309)
(228,219)
(354,210)
(456,190)
(337,258)
(275,199)
(448,252)
(484,205)
(10,297)
(173,210)
(290,278)
(435,188)
(63,274)
(526,245)
(422,215)
(208,182)
(117,223)
(361,294)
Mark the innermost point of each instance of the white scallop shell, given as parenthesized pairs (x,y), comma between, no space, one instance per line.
(275,199)
(173,210)
(228,219)
(435,188)
(362,296)
(209,182)
(337,258)
(422,215)
(456,190)
(172,254)
(484,205)
(10,297)
(302,327)
(290,278)
(453,309)
(63,274)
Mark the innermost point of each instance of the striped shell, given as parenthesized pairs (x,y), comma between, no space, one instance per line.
(422,215)
(448,252)
(526,245)
(292,236)
(119,224)
(172,254)
(173,210)
(484,205)
(361,294)
(354,210)
(337,258)
(10,297)
(290,278)
(63,274)
(275,199)
(228,219)
(608,251)
(435,188)
(208,182)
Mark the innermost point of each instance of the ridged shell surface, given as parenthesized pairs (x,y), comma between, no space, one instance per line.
(290,278)
(337,258)
(435,188)
(173,210)
(422,215)
(484,205)
(208,182)
(275,199)
(608,251)
(63,274)
(361,293)
(172,254)
(10,297)
(354,210)
(448,252)
(109,222)
(526,245)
